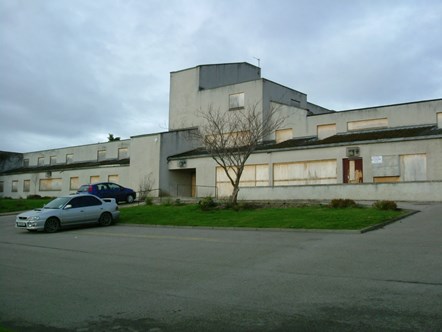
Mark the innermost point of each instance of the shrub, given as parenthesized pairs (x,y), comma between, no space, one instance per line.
(178,202)
(33,197)
(148,200)
(342,203)
(385,205)
(207,203)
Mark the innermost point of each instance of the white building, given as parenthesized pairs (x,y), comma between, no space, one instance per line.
(385,152)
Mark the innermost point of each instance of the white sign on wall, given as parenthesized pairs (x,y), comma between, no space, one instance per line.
(376,159)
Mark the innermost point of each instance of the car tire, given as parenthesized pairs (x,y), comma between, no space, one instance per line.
(130,199)
(52,225)
(105,219)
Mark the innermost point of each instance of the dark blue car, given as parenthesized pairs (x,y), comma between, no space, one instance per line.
(108,190)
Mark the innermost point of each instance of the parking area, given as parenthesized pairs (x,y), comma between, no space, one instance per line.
(131,278)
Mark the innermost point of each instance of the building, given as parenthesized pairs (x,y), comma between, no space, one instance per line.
(386,152)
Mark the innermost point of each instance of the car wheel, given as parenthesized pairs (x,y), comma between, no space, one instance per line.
(105,219)
(52,225)
(130,199)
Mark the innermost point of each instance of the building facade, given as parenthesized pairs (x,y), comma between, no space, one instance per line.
(387,152)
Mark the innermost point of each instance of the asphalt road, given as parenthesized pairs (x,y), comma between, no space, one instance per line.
(127,278)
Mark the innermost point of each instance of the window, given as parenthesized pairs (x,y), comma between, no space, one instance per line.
(50,184)
(101,155)
(26,186)
(69,158)
(25,162)
(14,186)
(52,160)
(367,124)
(439,120)
(305,173)
(414,167)
(236,101)
(282,135)
(74,183)
(326,130)
(1,186)
(123,153)
(83,201)
(94,179)
(253,176)
(113,178)
(41,161)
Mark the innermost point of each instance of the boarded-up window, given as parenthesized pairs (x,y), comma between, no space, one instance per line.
(41,161)
(326,130)
(123,153)
(236,101)
(252,176)
(303,173)
(385,166)
(439,120)
(50,184)
(14,186)
(26,186)
(74,183)
(414,167)
(94,179)
(53,160)
(69,158)
(25,162)
(113,178)
(232,139)
(367,124)
(101,155)
(282,135)
(386,179)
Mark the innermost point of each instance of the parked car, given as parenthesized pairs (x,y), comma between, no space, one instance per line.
(109,190)
(69,211)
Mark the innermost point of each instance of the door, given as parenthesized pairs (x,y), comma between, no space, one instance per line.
(82,209)
(352,170)
(193,184)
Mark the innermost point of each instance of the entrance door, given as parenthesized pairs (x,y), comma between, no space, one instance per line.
(352,170)
(194,184)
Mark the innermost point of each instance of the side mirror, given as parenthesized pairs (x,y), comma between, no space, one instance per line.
(67,207)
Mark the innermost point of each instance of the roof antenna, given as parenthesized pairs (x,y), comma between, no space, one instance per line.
(259,62)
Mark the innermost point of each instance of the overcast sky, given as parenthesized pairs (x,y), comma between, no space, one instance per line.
(73,71)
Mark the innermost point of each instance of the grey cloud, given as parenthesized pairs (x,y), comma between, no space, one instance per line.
(73,71)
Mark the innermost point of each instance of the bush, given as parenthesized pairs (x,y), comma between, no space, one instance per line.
(207,203)
(385,205)
(33,197)
(148,200)
(342,203)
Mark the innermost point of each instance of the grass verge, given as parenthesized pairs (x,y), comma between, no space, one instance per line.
(311,217)
(14,205)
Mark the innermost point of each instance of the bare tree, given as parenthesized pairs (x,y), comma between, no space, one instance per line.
(146,186)
(231,136)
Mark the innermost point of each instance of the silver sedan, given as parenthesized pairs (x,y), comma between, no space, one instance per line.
(69,211)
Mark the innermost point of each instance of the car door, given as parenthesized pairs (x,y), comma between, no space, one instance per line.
(103,191)
(73,212)
(117,192)
(92,208)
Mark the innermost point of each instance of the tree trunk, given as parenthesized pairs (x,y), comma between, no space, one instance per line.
(234,197)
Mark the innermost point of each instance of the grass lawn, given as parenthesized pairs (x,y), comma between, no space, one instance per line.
(312,217)
(12,205)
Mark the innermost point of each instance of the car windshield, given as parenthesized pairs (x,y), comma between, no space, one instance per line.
(57,203)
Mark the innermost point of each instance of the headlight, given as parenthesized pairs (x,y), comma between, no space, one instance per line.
(34,218)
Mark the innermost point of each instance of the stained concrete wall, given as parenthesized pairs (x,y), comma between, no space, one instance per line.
(426,191)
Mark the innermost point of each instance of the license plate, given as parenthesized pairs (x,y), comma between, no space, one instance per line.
(21,224)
